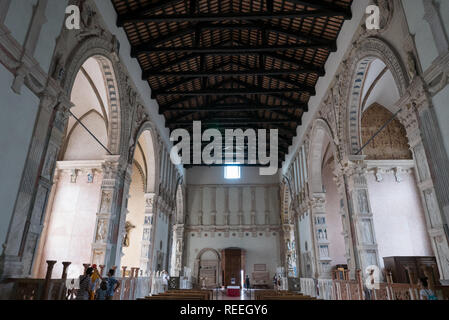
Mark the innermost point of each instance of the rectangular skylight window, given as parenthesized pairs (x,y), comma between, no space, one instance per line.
(232,172)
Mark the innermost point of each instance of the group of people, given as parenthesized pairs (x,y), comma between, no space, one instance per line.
(92,286)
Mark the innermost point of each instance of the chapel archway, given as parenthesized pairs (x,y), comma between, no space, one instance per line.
(137,242)
(330,238)
(209,268)
(70,221)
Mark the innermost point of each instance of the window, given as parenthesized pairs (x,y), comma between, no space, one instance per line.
(232,172)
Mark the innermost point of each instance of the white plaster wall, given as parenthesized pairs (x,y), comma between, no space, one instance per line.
(425,44)
(71,226)
(215,175)
(82,146)
(444,13)
(399,221)
(50,31)
(259,250)
(337,249)
(19,17)
(16,130)
(194,205)
(136,216)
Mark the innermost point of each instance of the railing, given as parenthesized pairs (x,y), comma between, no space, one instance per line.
(341,287)
(308,287)
(131,288)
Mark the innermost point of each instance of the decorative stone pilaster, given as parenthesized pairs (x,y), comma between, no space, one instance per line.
(360,214)
(213,214)
(321,242)
(253,206)
(148,229)
(107,242)
(240,209)
(200,210)
(226,206)
(35,188)
(432,168)
(178,241)
(267,206)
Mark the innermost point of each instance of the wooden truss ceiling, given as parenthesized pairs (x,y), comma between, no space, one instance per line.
(233,63)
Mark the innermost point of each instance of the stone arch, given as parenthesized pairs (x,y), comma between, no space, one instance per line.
(148,132)
(103,51)
(203,251)
(368,50)
(217,264)
(321,130)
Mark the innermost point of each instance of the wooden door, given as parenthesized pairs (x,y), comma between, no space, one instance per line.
(232,266)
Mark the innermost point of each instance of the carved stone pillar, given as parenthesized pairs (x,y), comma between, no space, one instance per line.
(320,239)
(148,229)
(432,167)
(19,252)
(350,247)
(361,215)
(107,242)
(178,243)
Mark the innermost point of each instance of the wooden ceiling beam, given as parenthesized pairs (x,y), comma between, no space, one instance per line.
(227,50)
(138,17)
(233,92)
(237,107)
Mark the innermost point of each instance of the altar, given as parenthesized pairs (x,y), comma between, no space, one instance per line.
(233,291)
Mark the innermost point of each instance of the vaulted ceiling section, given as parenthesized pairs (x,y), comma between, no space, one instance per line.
(233,63)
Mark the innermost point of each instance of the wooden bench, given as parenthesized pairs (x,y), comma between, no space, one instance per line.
(280,295)
(183,295)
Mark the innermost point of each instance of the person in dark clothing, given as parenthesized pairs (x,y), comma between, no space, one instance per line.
(247,283)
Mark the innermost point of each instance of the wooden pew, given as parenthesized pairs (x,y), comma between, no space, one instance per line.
(183,295)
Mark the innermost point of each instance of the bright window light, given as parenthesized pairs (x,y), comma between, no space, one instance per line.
(232,172)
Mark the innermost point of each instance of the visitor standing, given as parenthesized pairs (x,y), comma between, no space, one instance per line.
(85,285)
(113,284)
